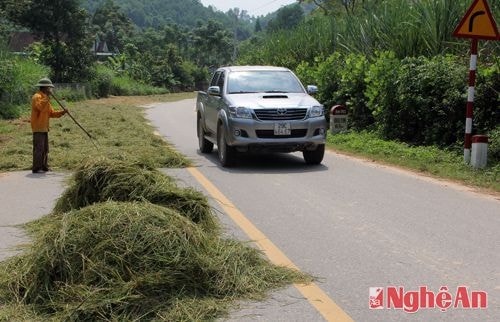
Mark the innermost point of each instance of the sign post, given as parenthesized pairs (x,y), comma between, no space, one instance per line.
(478,23)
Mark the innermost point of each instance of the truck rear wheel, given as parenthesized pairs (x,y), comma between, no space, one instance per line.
(226,153)
(205,145)
(314,156)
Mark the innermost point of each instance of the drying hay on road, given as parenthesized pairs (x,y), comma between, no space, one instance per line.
(125,243)
(103,180)
(127,261)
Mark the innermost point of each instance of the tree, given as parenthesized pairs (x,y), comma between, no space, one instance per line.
(258,26)
(287,18)
(61,26)
(213,44)
(113,25)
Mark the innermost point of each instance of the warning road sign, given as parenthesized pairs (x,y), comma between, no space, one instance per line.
(478,23)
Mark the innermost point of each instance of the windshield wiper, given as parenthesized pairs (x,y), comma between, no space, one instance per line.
(275,92)
(242,92)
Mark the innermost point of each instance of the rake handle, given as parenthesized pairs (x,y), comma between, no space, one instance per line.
(67,112)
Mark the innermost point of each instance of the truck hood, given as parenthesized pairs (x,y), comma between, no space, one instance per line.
(271,100)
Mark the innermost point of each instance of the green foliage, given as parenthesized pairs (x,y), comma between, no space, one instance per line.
(351,92)
(102,80)
(17,77)
(422,100)
(72,94)
(444,163)
(430,94)
(315,37)
(125,86)
(213,44)
(62,26)
(381,89)
(487,100)
(112,25)
(494,145)
(286,18)
(415,100)
(407,28)
(156,13)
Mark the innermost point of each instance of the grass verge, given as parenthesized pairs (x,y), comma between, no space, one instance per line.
(118,124)
(131,260)
(429,160)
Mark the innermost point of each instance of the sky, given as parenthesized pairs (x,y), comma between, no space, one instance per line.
(254,7)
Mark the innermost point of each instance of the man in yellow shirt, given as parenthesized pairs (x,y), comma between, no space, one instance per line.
(41,112)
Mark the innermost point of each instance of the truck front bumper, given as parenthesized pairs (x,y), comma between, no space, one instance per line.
(255,135)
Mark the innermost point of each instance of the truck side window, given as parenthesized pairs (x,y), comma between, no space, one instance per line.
(220,82)
(213,82)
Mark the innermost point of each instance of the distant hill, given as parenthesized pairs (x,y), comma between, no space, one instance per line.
(154,13)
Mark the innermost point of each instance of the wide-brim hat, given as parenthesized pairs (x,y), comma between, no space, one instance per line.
(44,82)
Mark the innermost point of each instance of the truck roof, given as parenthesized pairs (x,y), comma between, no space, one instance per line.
(252,68)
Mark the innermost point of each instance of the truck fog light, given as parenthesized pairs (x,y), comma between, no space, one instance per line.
(322,131)
(237,132)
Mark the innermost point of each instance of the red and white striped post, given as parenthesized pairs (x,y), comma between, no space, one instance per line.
(470,101)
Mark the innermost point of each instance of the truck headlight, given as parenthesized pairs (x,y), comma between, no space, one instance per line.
(316,111)
(240,112)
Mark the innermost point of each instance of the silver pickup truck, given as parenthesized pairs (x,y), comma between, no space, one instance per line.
(260,108)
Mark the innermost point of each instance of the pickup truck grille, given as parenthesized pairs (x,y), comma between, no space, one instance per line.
(269,134)
(281,114)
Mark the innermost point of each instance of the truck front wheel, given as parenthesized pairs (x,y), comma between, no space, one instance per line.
(226,153)
(314,156)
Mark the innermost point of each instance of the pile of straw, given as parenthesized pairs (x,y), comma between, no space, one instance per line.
(104,180)
(126,244)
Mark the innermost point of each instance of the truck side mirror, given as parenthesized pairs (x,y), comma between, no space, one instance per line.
(214,91)
(312,89)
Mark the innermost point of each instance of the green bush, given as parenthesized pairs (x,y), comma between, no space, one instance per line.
(73,92)
(494,145)
(101,81)
(430,94)
(351,92)
(328,77)
(17,77)
(381,89)
(415,100)
(487,100)
(8,111)
(341,80)
(125,86)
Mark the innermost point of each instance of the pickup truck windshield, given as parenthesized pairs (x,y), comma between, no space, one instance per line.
(263,82)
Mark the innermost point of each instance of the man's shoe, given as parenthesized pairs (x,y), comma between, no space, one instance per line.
(37,171)
(46,169)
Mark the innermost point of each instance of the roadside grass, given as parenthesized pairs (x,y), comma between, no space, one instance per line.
(126,254)
(125,86)
(117,123)
(428,160)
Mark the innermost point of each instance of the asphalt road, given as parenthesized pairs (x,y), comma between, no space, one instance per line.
(354,224)
(24,196)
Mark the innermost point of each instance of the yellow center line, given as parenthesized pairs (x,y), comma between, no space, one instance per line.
(315,295)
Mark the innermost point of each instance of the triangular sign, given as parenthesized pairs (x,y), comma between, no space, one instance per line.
(478,22)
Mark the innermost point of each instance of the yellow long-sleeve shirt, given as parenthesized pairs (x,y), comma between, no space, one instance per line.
(41,111)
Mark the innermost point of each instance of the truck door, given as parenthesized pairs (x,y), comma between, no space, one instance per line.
(215,103)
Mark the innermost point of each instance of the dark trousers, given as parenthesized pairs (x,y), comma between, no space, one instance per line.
(40,151)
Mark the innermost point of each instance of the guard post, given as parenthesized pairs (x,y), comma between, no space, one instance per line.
(478,23)
(479,156)
(338,119)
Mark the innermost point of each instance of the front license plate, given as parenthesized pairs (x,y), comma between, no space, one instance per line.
(282,129)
